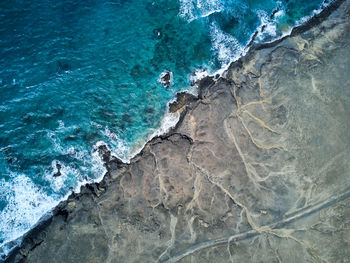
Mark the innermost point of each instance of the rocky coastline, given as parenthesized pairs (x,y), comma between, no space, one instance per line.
(256,170)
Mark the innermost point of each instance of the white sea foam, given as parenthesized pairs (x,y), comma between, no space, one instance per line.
(169,121)
(26,204)
(270,27)
(126,152)
(224,45)
(230,50)
(193,9)
(59,183)
(198,74)
(120,148)
(315,12)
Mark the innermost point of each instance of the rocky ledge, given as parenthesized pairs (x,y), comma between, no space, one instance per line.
(257,170)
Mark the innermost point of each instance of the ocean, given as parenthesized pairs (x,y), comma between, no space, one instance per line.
(78,74)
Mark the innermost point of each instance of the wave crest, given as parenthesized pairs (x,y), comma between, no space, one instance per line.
(193,9)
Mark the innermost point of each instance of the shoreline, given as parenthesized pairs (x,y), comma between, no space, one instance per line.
(181,105)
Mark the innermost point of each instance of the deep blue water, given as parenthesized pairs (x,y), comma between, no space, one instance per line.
(75,73)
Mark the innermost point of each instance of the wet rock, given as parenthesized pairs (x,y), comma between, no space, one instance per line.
(104,153)
(58,173)
(182,99)
(204,84)
(157,33)
(166,78)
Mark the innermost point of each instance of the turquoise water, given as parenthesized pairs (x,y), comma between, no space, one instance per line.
(75,74)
